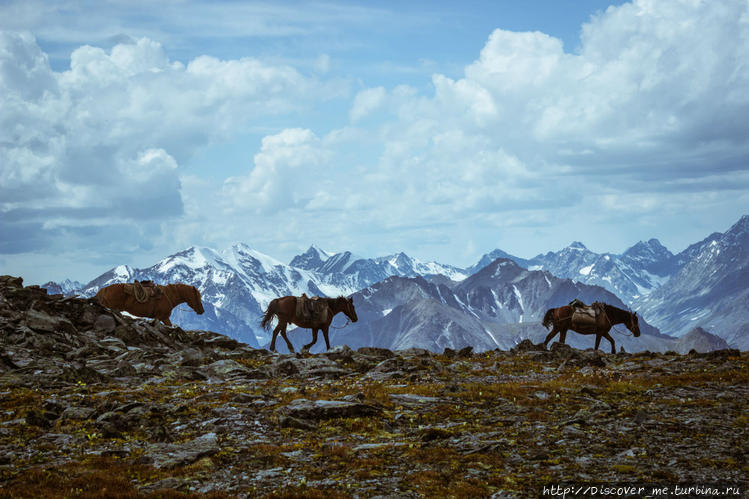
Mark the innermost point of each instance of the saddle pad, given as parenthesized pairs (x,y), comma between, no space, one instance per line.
(319,308)
(584,315)
(140,292)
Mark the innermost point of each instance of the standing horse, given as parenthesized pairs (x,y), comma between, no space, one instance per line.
(157,307)
(285,310)
(562,320)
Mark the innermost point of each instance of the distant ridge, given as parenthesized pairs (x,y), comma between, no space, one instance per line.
(704,285)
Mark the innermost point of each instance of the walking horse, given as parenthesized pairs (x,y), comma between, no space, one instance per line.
(564,318)
(285,310)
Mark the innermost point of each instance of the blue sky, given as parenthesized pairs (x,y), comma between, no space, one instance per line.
(444,130)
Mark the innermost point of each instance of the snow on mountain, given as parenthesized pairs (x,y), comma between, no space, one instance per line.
(405,302)
(312,259)
(493,255)
(483,311)
(635,273)
(238,283)
(710,289)
(355,272)
(64,288)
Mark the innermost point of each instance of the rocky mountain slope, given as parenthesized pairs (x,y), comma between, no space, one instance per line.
(97,404)
(637,272)
(704,285)
(497,307)
(238,283)
(710,290)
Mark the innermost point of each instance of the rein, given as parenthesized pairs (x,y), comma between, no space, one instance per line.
(348,321)
(614,327)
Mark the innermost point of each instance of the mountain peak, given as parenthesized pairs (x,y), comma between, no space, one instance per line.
(739,231)
(651,250)
(490,257)
(577,246)
(312,259)
(700,340)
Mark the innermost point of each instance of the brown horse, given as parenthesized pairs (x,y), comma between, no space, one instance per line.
(285,310)
(562,320)
(157,307)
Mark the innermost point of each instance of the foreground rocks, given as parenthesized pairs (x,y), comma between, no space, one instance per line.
(92,400)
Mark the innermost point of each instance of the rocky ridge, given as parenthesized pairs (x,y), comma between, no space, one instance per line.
(95,402)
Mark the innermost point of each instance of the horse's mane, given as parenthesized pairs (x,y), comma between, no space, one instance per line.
(616,313)
(335,300)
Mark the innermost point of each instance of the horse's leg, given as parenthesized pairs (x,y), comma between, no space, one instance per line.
(325,335)
(314,340)
(549,336)
(164,316)
(563,336)
(611,340)
(276,330)
(288,343)
(598,340)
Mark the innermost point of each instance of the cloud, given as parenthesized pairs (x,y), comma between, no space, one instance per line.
(651,106)
(645,121)
(655,87)
(286,174)
(102,143)
(366,102)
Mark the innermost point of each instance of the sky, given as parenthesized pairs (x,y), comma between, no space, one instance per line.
(130,131)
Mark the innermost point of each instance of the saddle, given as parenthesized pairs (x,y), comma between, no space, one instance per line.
(143,290)
(586,316)
(311,308)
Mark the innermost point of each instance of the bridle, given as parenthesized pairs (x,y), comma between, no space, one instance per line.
(348,320)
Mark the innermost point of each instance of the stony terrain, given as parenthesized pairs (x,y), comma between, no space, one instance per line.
(95,404)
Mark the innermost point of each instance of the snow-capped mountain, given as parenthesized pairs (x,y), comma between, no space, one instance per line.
(238,283)
(312,259)
(635,273)
(704,285)
(404,302)
(711,289)
(362,272)
(63,288)
(494,308)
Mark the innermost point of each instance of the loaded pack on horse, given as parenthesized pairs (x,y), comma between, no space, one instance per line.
(313,313)
(146,299)
(597,319)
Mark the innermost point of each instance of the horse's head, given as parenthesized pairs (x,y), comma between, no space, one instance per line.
(634,324)
(346,305)
(193,299)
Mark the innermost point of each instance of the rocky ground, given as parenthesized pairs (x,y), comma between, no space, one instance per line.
(96,404)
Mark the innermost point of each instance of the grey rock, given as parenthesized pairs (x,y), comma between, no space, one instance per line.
(80,413)
(172,455)
(105,323)
(327,409)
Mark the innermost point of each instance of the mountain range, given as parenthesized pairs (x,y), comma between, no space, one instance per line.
(403,302)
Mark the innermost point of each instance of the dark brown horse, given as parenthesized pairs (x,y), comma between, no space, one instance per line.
(562,320)
(157,307)
(285,310)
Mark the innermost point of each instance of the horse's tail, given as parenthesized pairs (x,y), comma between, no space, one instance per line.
(269,314)
(548,318)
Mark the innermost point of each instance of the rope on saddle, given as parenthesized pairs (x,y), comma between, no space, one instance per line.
(141,295)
